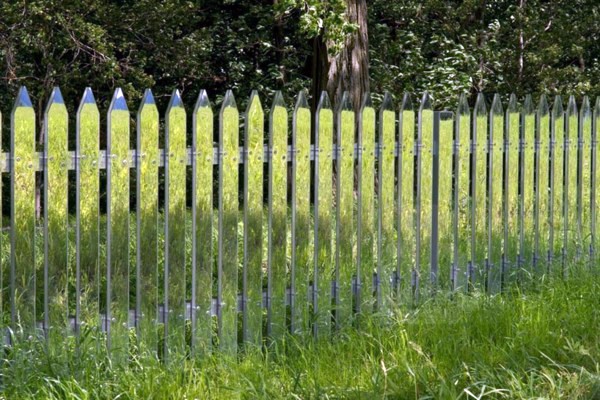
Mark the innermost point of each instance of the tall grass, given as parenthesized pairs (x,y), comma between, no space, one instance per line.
(541,343)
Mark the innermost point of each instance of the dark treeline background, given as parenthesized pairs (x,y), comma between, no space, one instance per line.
(445,47)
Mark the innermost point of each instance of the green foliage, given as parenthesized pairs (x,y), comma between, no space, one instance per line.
(321,18)
(445,47)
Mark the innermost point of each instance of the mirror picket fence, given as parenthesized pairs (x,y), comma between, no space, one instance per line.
(243,228)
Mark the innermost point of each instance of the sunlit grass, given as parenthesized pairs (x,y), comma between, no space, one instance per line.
(538,343)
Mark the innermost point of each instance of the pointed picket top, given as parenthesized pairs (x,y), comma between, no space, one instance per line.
(557,108)
(228,101)
(543,108)
(513,104)
(301,101)
(118,101)
(367,101)
(278,100)
(463,105)
(147,100)
(203,101)
(87,100)
(388,102)
(480,107)
(254,103)
(425,102)
(324,102)
(88,96)
(572,106)
(23,99)
(54,100)
(406,103)
(175,101)
(497,105)
(56,97)
(585,107)
(528,105)
(346,103)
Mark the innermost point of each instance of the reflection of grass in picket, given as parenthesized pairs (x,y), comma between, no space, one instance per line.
(538,344)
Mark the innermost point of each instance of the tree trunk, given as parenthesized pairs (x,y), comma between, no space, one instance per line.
(348,70)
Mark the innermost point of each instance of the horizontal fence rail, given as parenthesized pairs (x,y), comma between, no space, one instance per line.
(273,229)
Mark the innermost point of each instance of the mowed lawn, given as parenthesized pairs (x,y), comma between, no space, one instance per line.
(542,342)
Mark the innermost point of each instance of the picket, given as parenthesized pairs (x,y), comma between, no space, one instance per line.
(323,203)
(462,196)
(584,180)
(385,205)
(511,191)
(87,215)
(252,296)
(571,230)
(175,307)
(147,284)
(344,249)
(478,180)
(444,201)
(365,229)
(117,237)
(557,185)
(56,259)
(202,225)
(542,200)
(423,222)
(227,263)
(23,267)
(278,276)
(302,266)
(405,200)
(526,213)
(494,196)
